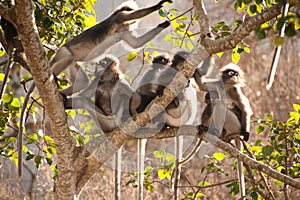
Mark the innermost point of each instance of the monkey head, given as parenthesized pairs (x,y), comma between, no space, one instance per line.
(160,61)
(109,66)
(178,59)
(232,75)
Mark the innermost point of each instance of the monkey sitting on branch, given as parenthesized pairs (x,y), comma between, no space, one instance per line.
(238,110)
(94,41)
(182,109)
(112,94)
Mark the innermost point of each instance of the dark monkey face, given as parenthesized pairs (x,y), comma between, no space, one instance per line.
(231,76)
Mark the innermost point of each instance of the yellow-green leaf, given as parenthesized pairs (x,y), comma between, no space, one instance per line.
(131,56)
(168,38)
(220,54)
(162,174)
(16,103)
(190,45)
(7,98)
(235,57)
(219,156)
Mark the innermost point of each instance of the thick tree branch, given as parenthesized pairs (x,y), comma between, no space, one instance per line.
(215,46)
(48,91)
(202,17)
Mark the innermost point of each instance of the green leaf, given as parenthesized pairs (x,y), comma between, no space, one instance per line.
(33,137)
(16,103)
(254,195)
(49,139)
(220,54)
(269,117)
(190,45)
(162,13)
(162,173)
(29,156)
(247,49)
(49,161)
(296,107)
(2,77)
(159,154)
(170,158)
(290,30)
(279,40)
(252,10)
(7,98)
(131,56)
(267,150)
(235,57)
(219,156)
(168,38)
(37,161)
(277,182)
(260,34)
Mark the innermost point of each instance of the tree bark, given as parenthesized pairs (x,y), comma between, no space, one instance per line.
(39,67)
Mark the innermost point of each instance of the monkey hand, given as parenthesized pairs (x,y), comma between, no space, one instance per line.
(164,24)
(245,135)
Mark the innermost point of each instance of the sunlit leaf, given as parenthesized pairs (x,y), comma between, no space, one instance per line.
(247,49)
(7,98)
(16,103)
(159,154)
(131,56)
(162,174)
(220,54)
(219,156)
(168,38)
(190,45)
(235,57)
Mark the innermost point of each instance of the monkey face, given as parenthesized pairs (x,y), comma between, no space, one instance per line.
(230,77)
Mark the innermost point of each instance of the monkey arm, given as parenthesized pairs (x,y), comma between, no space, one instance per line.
(137,42)
(137,14)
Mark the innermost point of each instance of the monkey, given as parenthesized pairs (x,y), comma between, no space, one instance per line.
(238,110)
(118,26)
(111,93)
(162,73)
(149,90)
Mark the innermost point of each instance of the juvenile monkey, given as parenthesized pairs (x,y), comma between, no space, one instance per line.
(96,40)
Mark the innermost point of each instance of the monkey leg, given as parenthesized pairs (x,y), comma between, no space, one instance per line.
(232,124)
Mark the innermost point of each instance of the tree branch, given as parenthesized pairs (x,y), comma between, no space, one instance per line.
(215,46)
(249,161)
(48,91)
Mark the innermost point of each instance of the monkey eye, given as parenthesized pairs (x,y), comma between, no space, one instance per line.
(231,73)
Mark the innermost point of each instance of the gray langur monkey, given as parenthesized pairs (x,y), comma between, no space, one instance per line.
(181,109)
(238,110)
(112,95)
(118,26)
